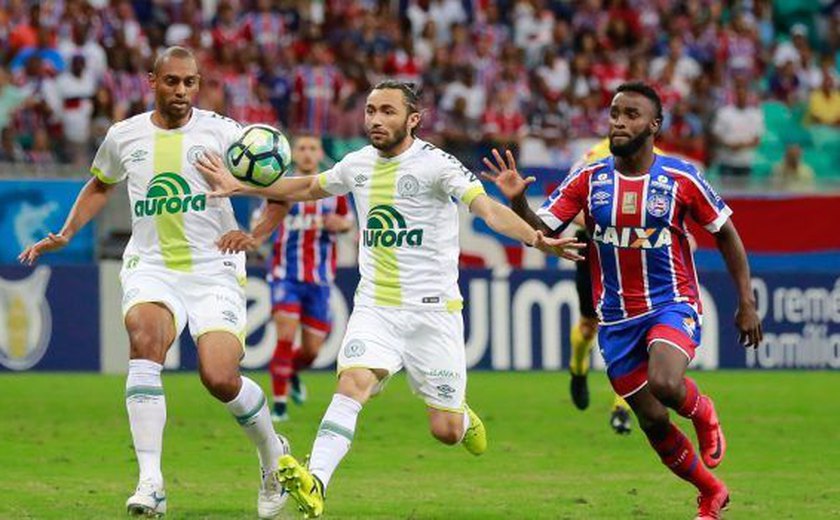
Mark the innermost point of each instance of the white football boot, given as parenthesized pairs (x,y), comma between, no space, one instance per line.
(272,495)
(148,500)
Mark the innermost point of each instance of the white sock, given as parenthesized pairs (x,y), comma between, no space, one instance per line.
(146,407)
(466,425)
(251,412)
(334,437)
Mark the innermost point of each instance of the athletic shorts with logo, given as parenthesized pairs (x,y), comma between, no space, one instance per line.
(208,301)
(625,345)
(428,344)
(308,302)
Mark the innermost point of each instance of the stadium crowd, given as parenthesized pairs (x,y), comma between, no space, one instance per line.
(533,75)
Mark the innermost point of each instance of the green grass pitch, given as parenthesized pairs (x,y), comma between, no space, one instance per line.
(65,452)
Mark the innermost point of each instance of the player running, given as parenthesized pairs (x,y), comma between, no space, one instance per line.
(635,203)
(301,273)
(173,274)
(407,312)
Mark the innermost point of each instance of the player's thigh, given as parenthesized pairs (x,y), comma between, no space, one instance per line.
(623,349)
(435,360)
(316,317)
(214,303)
(153,313)
(285,308)
(672,340)
(372,341)
(312,341)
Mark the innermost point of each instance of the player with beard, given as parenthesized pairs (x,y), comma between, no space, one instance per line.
(646,291)
(407,312)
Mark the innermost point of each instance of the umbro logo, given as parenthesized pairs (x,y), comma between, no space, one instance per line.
(138,155)
(360,180)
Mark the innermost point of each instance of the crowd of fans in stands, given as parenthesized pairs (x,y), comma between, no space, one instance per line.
(492,73)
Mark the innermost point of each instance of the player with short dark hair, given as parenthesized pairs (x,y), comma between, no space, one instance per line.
(635,203)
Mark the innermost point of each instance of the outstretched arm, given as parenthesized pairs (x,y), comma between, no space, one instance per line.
(225,185)
(504,175)
(89,203)
(746,318)
(502,220)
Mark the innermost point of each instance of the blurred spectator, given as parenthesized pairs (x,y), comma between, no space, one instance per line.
(41,153)
(464,87)
(682,133)
(228,30)
(824,104)
(459,132)
(738,129)
(791,173)
(11,97)
(79,43)
(316,89)
(504,125)
(793,50)
(51,59)
(259,109)
(10,148)
(785,84)
(102,117)
(685,68)
(76,87)
(553,76)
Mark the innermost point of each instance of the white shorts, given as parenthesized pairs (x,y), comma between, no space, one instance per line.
(207,302)
(429,344)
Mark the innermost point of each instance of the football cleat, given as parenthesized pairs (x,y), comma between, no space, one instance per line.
(580,392)
(149,500)
(710,437)
(272,496)
(298,392)
(620,420)
(709,507)
(475,438)
(302,486)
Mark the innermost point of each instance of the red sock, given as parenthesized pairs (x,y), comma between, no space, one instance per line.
(280,368)
(678,454)
(302,360)
(694,407)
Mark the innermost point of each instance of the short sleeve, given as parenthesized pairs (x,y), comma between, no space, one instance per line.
(459,182)
(705,206)
(335,180)
(231,133)
(107,166)
(566,201)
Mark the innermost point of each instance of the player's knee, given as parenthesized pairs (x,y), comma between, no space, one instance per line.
(222,385)
(146,343)
(665,386)
(357,384)
(446,430)
(653,422)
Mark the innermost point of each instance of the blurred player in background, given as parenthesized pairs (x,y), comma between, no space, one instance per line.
(173,273)
(301,273)
(635,203)
(407,312)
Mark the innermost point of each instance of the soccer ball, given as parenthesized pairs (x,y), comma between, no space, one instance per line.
(260,156)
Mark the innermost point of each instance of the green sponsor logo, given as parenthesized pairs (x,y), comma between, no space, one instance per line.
(386,228)
(169,193)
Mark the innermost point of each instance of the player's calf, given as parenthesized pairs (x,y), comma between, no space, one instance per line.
(447,427)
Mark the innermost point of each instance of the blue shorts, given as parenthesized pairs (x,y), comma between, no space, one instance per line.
(308,302)
(625,345)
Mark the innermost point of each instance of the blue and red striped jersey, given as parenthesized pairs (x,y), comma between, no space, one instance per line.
(640,257)
(303,250)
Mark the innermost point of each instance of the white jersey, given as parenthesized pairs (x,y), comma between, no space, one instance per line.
(408,249)
(173,223)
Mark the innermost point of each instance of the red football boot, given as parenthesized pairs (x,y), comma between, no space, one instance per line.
(709,507)
(710,436)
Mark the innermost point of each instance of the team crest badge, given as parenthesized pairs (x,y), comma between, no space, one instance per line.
(25,320)
(658,205)
(354,348)
(195,152)
(408,186)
